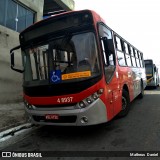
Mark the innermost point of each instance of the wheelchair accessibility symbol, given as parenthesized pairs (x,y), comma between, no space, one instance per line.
(55,76)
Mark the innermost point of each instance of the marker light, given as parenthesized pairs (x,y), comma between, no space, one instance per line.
(94,96)
(82,104)
(89,100)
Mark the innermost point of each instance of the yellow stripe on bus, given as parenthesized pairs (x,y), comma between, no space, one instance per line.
(149,75)
(76,75)
(149,80)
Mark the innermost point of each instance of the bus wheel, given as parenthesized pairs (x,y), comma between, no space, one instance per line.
(125,104)
(141,95)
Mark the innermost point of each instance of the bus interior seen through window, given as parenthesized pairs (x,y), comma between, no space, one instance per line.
(65,54)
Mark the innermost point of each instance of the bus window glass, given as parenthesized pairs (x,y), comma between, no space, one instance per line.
(121,58)
(140,56)
(128,59)
(66,55)
(133,57)
(118,42)
(149,69)
(133,62)
(131,50)
(141,59)
(109,54)
(126,47)
(105,32)
(135,53)
(137,60)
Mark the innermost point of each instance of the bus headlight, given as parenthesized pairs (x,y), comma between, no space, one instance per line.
(89,100)
(94,96)
(28,106)
(82,104)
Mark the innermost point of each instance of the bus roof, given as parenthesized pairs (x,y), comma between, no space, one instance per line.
(95,15)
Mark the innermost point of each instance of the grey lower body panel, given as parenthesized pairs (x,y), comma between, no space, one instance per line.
(95,113)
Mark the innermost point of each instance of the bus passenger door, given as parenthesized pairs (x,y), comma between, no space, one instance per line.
(111,75)
(112,81)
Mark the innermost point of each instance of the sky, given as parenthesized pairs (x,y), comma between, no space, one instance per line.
(137,21)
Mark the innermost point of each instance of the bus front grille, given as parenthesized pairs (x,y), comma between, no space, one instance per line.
(55,106)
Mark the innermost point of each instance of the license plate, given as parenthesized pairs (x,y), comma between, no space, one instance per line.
(52,116)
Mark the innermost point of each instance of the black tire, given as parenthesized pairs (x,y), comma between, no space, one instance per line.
(141,95)
(156,86)
(125,104)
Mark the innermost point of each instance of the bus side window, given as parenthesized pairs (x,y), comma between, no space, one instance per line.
(108,54)
(140,65)
(118,43)
(132,57)
(108,51)
(107,46)
(140,59)
(137,58)
(120,53)
(127,55)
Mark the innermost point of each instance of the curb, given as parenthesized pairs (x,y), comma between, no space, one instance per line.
(15,134)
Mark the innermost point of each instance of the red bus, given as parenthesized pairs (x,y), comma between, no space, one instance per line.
(77,70)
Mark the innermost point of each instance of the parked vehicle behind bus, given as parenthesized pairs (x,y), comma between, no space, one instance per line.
(152,73)
(78,71)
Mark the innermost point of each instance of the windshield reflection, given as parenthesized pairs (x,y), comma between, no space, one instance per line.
(69,58)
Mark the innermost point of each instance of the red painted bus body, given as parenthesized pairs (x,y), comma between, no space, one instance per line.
(108,72)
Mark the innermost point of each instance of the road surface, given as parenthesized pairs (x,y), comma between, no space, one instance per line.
(138,131)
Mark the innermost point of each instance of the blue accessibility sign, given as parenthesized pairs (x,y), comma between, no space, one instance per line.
(55,76)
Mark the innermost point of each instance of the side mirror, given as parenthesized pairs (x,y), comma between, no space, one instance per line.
(105,42)
(12,60)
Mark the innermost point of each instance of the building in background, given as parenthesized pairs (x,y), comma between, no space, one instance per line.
(59,6)
(15,16)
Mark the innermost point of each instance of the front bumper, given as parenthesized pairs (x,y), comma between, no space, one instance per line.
(95,113)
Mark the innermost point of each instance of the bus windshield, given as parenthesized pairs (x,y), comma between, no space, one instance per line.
(149,68)
(70,58)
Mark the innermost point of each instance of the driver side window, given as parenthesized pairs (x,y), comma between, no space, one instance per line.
(108,51)
(106,33)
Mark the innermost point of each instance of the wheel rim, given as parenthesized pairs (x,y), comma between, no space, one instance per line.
(124,103)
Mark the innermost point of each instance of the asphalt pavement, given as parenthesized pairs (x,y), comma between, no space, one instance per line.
(137,132)
(11,114)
